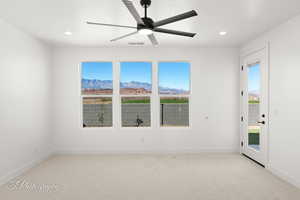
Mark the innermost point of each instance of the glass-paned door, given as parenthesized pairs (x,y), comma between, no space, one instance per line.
(254,109)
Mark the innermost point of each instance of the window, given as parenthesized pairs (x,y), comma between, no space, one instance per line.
(254,96)
(96,78)
(136,78)
(96,91)
(172,94)
(174,78)
(174,90)
(97,111)
(174,111)
(135,88)
(136,112)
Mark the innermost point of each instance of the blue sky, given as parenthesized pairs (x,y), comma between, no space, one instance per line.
(136,71)
(171,74)
(174,75)
(254,78)
(97,70)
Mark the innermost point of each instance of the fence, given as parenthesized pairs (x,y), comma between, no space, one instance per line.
(98,115)
(253,114)
(174,114)
(131,112)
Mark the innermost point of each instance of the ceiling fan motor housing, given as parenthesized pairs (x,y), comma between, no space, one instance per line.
(145,3)
(148,24)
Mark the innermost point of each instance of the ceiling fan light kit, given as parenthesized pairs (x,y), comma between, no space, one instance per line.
(145,31)
(146,26)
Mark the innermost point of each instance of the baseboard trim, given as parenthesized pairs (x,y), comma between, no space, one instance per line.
(283,176)
(182,151)
(19,171)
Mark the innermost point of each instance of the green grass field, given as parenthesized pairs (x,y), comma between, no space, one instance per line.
(253,136)
(253,102)
(126,101)
(253,131)
(181,100)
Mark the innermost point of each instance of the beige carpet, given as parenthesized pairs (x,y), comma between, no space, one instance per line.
(149,177)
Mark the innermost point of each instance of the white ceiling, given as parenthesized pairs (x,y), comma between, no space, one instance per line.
(242,19)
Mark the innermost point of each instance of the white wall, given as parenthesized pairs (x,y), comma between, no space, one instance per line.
(214,100)
(284,135)
(24,101)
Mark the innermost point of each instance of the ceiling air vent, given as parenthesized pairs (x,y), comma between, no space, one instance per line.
(136,43)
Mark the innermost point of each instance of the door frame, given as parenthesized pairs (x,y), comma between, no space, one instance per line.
(264,47)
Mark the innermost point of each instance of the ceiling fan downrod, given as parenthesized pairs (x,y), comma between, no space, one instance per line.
(145,4)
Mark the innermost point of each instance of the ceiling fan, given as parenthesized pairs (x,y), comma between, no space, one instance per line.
(146,26)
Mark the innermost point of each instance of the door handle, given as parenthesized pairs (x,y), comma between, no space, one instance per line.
(262,122)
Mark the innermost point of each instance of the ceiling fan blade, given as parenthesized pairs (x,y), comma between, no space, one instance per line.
(181,33)
(124,36)
(113,25)
(133,11)
(175,18)
(153,39)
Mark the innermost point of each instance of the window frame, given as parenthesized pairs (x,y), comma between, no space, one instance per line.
(82,96)
(175,95)
(116,97)
(136,95)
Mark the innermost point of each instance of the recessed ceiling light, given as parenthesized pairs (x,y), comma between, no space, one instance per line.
(68,33)
(223,33)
